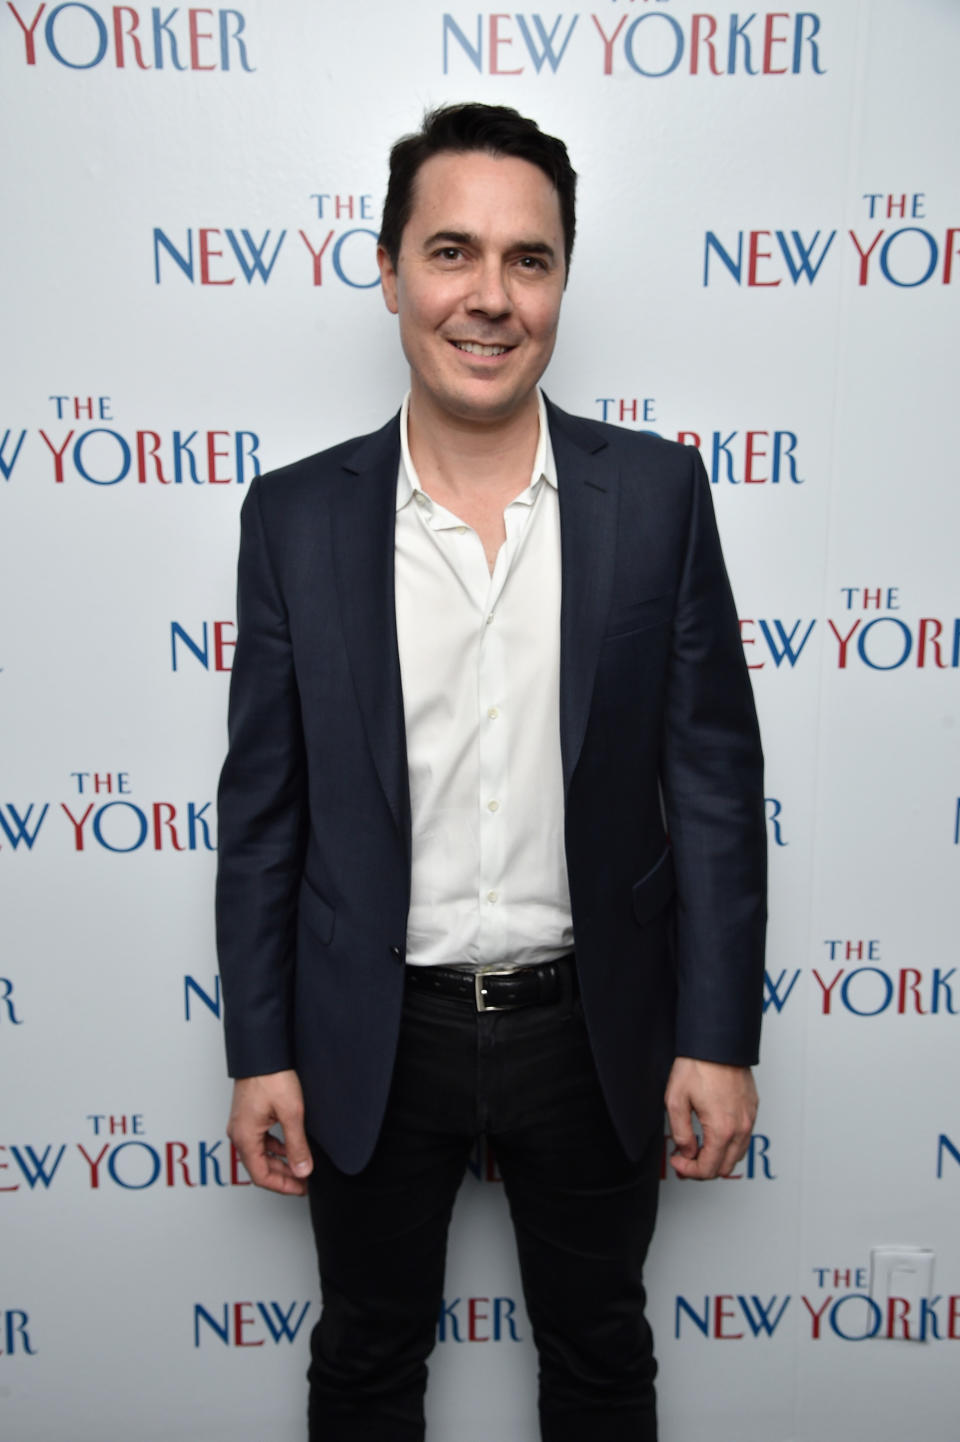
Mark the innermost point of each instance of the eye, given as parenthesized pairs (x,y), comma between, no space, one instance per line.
(448,252)
(532,262)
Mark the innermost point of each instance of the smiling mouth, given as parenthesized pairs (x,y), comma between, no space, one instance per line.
(474,348)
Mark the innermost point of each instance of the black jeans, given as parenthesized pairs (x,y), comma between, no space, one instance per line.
(582,1212)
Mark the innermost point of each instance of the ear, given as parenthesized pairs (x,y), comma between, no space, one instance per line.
(388,280)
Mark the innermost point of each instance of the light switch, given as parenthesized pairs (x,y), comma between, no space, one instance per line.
(904,1273)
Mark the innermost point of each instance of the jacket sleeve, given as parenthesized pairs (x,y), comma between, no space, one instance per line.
(262,816)
(712,780)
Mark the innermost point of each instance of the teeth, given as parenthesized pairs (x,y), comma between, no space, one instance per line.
(472,348)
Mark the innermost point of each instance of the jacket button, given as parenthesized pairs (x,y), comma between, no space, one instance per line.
(396,953)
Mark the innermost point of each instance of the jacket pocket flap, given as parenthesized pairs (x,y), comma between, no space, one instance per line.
(652,892)
(316,913)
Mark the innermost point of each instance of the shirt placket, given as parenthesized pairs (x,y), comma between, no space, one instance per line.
(495,722)
(493,732)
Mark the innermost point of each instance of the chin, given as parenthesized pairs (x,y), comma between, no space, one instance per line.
(493,402)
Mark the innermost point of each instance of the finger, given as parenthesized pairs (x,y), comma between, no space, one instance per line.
(267,1167)
(734,1152)
(687,1167)
(279,1179)
(252,1156)
(681,1126)
(296,1148)
(707,1161)
(686,1150)
(262,1155)
(278,1176)
(711,1156)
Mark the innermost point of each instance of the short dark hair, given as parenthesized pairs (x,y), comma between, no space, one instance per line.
(497,129)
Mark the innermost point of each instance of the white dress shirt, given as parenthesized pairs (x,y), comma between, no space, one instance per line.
(480,666)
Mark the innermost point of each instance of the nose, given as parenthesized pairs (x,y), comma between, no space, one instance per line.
(490,296)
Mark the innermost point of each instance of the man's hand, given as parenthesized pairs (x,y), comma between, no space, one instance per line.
(725,1101)
(260,1102)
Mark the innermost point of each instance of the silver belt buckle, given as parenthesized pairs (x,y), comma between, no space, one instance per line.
(479,991)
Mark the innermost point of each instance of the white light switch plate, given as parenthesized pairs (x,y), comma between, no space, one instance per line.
(905,1272)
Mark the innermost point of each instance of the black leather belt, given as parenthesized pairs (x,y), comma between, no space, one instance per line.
(499,989)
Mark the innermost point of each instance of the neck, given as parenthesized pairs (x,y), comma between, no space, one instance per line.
(464,456)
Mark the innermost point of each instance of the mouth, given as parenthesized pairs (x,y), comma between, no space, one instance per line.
(471,347)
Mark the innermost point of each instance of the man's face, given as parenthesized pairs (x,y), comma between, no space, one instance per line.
(477,285)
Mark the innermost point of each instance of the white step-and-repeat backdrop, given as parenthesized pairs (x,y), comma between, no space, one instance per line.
(768,266)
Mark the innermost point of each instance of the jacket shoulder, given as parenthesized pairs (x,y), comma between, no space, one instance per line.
(327,467)
(641,452)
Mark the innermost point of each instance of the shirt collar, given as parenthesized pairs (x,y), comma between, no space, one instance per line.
(544,465)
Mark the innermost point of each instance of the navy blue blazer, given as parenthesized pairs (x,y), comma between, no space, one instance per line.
(658,736)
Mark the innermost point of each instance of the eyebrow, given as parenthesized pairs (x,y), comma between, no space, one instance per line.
(465,237)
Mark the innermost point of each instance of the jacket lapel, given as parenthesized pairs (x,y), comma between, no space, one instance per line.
(363,523)
(588,489)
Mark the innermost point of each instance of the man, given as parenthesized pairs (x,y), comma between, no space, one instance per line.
(487,663)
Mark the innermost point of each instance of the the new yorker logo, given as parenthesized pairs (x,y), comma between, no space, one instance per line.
(210,646)
(823,1311)
(14,1337)
(195,994)
(134,37)
(339,248)
(478,1319)
(773,808)
(118,1154)
(734,455)
(948,1153)
(895,244)
(83,443)
(649,46)
(248,1324)
(885,642)
(102,816)
(852,980)
(8,1007)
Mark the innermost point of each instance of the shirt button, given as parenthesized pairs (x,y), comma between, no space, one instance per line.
(461,530)
(489,618)
(493,713)
(491,896)
(493,805)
